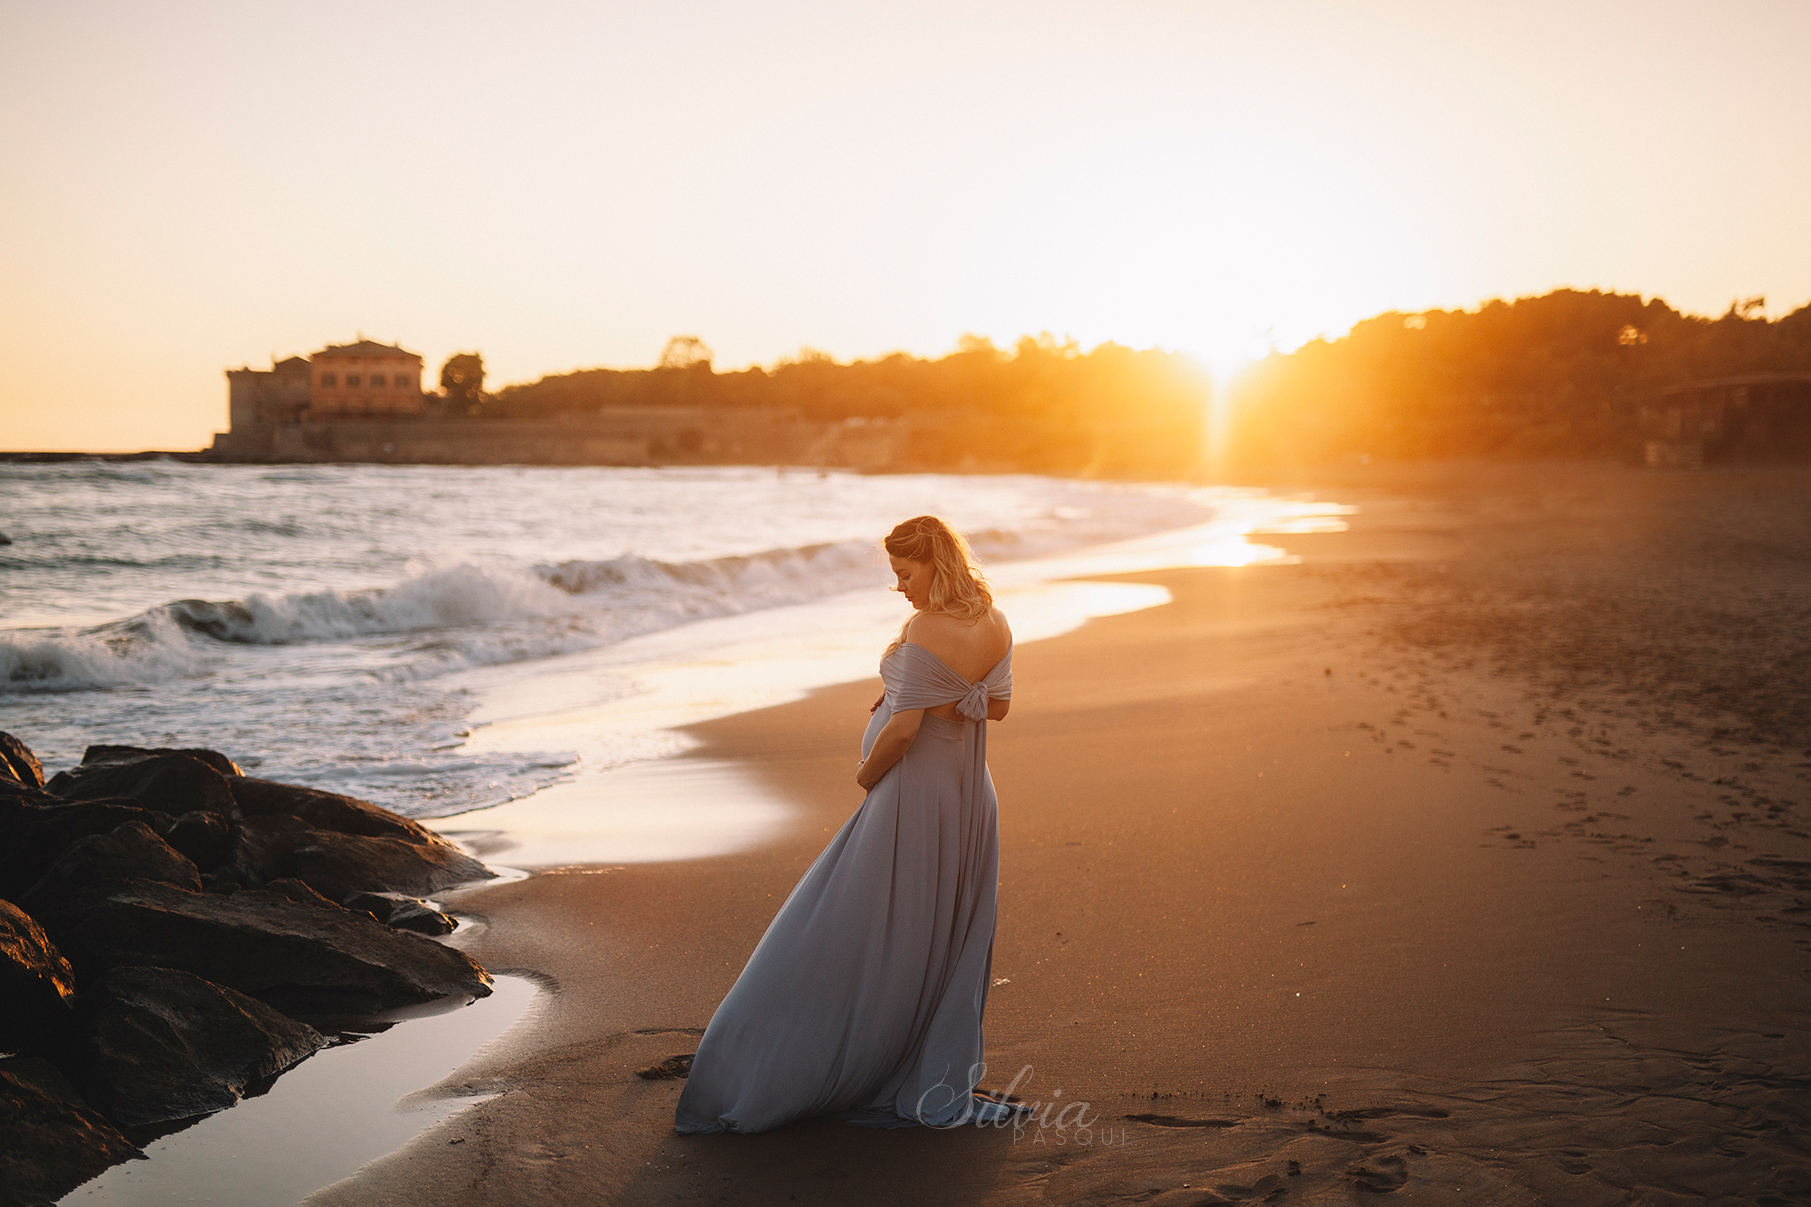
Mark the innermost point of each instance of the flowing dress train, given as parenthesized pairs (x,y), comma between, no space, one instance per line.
(864,998)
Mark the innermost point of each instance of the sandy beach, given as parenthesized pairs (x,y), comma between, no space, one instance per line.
(1464,859)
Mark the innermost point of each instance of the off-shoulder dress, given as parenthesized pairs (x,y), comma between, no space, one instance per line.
(864,998)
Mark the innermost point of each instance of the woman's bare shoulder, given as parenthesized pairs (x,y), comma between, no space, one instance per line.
(943,624)
(971,646)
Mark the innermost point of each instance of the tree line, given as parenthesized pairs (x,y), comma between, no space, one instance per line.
(1562,375)
(1044,406)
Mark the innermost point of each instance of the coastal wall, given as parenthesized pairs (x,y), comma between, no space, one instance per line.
(960,442)
(620,436)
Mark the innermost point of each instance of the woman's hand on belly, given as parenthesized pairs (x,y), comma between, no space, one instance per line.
(890,745)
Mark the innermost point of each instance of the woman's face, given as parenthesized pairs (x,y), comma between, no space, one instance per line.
(914,580)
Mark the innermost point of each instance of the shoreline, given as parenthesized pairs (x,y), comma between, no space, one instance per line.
(1473,959)
(662,685)
(1508,1031)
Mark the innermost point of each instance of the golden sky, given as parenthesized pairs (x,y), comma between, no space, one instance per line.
(188,186)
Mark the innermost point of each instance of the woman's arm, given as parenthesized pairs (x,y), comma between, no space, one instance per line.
(890,745)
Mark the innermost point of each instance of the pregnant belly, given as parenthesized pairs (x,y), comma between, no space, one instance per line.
(875,723)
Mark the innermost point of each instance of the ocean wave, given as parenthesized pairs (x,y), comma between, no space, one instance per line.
(151,649)
(447,617)
(759,579)
(461,594)
(464,614)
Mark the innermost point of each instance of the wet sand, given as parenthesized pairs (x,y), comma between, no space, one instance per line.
(1465,860)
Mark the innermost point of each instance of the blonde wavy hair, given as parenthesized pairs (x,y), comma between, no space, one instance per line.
(958,588)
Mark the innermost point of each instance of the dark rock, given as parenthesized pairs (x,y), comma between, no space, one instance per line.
(423,919)
(95,865)
(205,838)
(11,787)
(326,810)
(17,760)
(174,783)
(33,833)
(161,1045)
(301,956)
(37,986)
(300,893)
(338,865)
(262,850)
(404,913)
(376,904)
(53,1140)
(131,754)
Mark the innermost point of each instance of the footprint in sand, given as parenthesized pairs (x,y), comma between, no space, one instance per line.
(1385,1175)
(673,1068)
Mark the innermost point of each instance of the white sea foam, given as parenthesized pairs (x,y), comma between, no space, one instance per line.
(152,649)
(478,614)
(313,622)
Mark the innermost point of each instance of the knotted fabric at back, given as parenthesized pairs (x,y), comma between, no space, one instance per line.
(917,678)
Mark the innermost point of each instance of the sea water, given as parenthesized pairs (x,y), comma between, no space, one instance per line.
(346,626)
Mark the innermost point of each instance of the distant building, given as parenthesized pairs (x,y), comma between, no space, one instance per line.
(363,402)
(366,380)
(279,394)
(1753,417)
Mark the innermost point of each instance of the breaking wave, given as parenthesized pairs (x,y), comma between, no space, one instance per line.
(444,617)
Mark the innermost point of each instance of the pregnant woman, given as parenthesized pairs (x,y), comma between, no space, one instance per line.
(864,998)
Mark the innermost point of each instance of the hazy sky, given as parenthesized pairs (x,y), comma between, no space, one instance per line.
(190,186)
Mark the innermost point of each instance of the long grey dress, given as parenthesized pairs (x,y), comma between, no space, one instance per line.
(864,998)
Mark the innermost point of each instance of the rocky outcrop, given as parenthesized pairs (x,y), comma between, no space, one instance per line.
(300,893)
(301,956)
(173,783)
(37,985)
(53,1140)
(160,1045)
(337,844)
(339,865)
(204,838)
(404,913)
(163,920)
(18,763)
(325,810)
(131,754)
(36,829)
(91,865)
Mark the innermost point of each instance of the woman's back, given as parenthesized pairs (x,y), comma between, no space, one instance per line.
(971,648)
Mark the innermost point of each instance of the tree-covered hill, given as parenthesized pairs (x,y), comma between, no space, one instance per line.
(1563,375)
(1560,375)
(1045,406)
